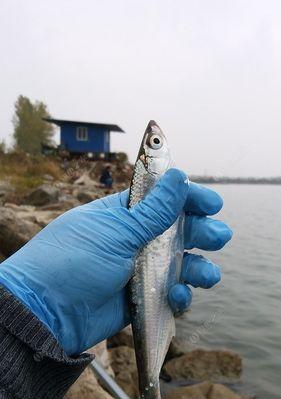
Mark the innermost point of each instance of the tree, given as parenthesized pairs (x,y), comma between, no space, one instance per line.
(30,130)
(3,147)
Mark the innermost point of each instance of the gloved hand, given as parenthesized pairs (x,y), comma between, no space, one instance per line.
(73,273)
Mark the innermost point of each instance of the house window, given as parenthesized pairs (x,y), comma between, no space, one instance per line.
(82,133)
(106,138)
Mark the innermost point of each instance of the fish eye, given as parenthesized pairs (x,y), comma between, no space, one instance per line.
(155,142)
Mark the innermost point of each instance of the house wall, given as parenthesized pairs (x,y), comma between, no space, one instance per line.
(98,139)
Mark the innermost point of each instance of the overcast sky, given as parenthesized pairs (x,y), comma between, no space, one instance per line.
(208,71)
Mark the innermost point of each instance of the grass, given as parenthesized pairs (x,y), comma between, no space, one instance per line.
(27,171)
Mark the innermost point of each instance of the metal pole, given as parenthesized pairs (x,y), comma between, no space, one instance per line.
(108,381)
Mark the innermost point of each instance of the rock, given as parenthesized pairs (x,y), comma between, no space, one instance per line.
(42,195)
(85,180)
(2,257)
(204,390)
(5,188)
(197,391)
(42,218)
(6,191)
(123,338)
(30,214)
(20,208)
(124,366)
(219,391)
(87,387)
(86,196)
(177,348)
(66,202)
(48,177)
(14,231)
(62,185)
(223,366)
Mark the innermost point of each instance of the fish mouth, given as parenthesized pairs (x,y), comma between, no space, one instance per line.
(151,129)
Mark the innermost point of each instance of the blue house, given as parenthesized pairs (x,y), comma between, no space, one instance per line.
(79,138)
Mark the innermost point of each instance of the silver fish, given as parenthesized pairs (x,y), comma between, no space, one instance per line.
(157,268)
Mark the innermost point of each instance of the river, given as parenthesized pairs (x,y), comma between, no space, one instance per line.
(243,313)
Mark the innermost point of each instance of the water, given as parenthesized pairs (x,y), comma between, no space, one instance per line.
(243,313)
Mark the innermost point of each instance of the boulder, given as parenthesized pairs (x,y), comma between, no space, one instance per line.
(85,180)
(7,191)
(2,257)
(197,391)
(86,196)
(42,218)
(30,214)
(124,366)
(64,204)
(219,391)
(177,348)
(87,387)
(5,188)
(199,365)
(64,186)
(14,231)
(123,338)
(20,208)
(42,195)
(48,178)
(204,390)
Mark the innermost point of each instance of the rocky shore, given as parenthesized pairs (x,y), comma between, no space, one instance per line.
(192,374)
(209,367)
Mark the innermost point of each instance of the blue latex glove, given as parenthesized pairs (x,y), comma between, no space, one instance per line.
(73,273)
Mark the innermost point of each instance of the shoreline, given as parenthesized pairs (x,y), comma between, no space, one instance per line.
(241,181)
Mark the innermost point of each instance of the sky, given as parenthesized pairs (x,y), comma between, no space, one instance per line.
(209,72)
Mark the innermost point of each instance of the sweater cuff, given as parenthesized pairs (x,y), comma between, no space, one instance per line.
(32,363)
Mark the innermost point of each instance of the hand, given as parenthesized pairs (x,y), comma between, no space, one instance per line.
(73,273)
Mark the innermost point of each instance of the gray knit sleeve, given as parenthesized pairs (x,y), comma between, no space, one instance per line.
(32,363)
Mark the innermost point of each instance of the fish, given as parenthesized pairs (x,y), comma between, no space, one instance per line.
(157,269)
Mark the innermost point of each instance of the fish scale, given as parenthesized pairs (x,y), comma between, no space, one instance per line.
(157,269)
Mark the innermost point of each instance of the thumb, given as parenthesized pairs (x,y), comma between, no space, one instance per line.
(161,207)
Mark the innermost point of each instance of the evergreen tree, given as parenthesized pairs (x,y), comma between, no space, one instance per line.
(30,130)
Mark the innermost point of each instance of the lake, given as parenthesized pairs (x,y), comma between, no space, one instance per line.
(243,313)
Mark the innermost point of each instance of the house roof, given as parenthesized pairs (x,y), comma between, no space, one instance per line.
(59,122)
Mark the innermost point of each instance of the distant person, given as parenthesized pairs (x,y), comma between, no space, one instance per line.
(106,177)
(65,164)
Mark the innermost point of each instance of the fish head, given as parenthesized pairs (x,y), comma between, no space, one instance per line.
(154,151)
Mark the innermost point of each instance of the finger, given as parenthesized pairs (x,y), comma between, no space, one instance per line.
(199,272)
(161,207)
(124,198)
(117,199)
(205,233)
(179,297)
(110,201)
(202,200)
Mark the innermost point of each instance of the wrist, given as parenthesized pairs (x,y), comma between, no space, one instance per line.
(27,297)
(30,352)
